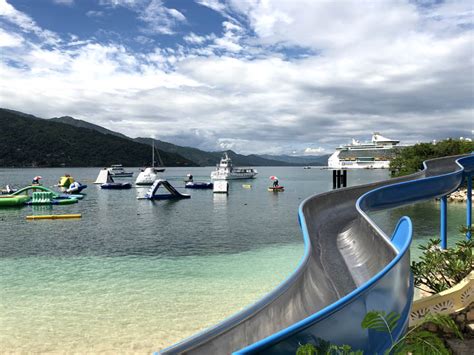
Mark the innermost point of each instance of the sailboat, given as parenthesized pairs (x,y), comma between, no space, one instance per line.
(148,175)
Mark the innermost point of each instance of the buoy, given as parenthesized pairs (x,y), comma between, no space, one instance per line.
(55,216)
(247,186)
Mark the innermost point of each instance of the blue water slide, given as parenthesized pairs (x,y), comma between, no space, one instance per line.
(350,267)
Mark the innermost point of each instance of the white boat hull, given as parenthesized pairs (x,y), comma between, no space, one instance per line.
(232,176)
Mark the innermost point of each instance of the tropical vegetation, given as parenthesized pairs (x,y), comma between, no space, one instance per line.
(410,159)
(416,340)
(438,269)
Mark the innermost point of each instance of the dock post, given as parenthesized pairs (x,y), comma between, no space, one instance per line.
(333,179)
(344,178)
(339,179)
(444,222)
(469,206)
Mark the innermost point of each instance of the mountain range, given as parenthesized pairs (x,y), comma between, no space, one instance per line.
(66,141)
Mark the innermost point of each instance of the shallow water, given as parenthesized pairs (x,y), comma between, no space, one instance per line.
(135,276)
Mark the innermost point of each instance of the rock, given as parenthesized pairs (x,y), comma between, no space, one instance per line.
(432,327)
(470,315)
(470,328)
(461,347)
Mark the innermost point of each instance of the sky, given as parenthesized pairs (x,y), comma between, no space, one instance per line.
(296,77)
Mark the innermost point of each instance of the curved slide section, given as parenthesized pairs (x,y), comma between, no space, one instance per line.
(350,267)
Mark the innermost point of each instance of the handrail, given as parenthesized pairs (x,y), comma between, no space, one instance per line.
(337,234)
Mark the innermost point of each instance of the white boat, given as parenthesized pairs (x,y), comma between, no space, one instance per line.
(225,171)
(148,175)
(118,171)
(375,154)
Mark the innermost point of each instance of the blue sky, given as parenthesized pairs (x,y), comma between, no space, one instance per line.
(279,77)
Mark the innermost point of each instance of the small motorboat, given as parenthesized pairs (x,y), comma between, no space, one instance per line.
(118,171)
(199,185)
(116,186)
(276,189)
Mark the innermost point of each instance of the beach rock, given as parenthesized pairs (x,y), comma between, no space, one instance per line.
(470,315)
(459,196)
(461,347)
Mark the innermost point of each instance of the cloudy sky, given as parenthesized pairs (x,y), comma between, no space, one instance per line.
(262,76)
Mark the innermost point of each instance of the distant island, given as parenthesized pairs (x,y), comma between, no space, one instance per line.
(30,141)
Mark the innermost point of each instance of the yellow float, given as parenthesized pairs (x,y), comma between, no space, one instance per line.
(55,216)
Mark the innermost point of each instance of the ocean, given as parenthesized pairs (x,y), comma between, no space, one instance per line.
(136,276)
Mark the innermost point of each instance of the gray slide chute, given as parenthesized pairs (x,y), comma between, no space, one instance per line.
(350,267)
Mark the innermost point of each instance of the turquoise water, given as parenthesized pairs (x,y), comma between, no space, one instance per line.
(135,276)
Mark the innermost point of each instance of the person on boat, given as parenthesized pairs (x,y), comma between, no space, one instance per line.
(275,183)
(190,177)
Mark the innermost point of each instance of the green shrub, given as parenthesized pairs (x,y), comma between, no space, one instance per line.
(438,269)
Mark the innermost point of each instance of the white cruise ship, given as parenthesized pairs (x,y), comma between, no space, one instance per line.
(375,154)
(225,171)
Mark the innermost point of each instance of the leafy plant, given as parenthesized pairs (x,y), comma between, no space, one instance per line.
(420,341)
(465,229)
(416,341)
(323,347)
(439,269)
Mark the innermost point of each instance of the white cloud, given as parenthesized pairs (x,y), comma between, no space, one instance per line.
(25,22)
(406,76)
(93,13)
(10,39)
(195,39)
(157,17)
(314,151)
(64,2)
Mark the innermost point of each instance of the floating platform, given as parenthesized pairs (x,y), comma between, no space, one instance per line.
(172,195)
(199,185)
(55,216)
(221,187)
(40,195)
(276,189)
(116,186)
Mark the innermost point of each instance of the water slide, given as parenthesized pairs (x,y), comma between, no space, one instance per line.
(173,193)
(350,267)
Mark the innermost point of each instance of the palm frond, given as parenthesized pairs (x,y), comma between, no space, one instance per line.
(380,321)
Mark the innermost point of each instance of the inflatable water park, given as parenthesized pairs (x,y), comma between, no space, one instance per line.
(107,182)
(172,194)
(37,195)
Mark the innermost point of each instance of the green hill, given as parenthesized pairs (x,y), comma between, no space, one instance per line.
(203,158)
(84,124)
(31,141)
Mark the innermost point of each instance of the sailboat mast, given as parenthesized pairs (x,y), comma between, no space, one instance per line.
(153,153)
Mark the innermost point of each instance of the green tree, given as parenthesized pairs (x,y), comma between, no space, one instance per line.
(410,159)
